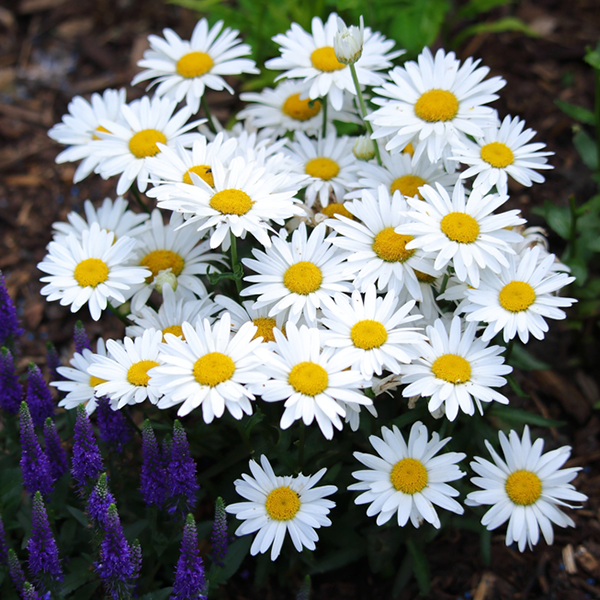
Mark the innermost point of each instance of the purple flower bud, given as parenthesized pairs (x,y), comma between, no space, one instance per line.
(181,474)
(39,397)
(30,593)
(11,391)
(57,455)
(81,338)
(44,564)
(99,501)
(87,461)
(154,474)
(190,582)
(218,539)
(112,425)
(3,545)
(136,559)
(35,466)
(53,361)
(9,324)
(16,572)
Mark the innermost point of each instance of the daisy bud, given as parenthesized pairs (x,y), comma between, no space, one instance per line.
(165,277)
(348,42)
(364,148)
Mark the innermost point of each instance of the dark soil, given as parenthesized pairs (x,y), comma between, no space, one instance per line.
(51,50)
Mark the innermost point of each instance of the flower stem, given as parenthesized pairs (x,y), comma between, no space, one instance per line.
(208,114)
(235,261)
(301,443)
(324,116)
(138,197)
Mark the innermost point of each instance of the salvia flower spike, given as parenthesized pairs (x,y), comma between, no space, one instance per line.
(9,323)
(219,533)
(113,427)
(190,580)
(181,474)
(38,396)
(87,461)
(11,391)
(154,473)
(81,339)
(57,455)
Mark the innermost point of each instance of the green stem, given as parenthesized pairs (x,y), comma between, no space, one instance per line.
(115,311)
(444,284)
(234,260)
(597,111)
(363,111)
(324,105)
(301,443)
(131,421)
(211,123)
(509,348)
(573,231)
(136,195)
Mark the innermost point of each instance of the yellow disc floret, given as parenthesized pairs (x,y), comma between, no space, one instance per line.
(516,296)
(94,381)
(436,105)
(368,334)
(308,378)
(161,260)
(203,171)
(391,246)
(498,155)
(264,329)
(452,368)
(301,110)
(324,59)
(143,143)
(303,278)
(460,227)
(91,272)
(194,64)
(409,475)
(138,372)
(408,185)
(282,503)
(523,487)
(424,278)
(322,167)
(213,368)
(336,208)
(231,202)
(175,330)
(100,129)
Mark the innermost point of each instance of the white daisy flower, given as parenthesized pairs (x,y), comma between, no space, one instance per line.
(408,479)
(125,145)
(279,505)
(311,381)
(462,231)
(437,101)
(209,369)
(300,275)
(517,299)
(456,370)
(503,150)
(371,332)
(526,488)
(311,57)
(183,69)
(125,371)
(377,252)
(90,271)
(81,125)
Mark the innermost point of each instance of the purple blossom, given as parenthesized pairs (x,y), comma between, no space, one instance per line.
(44,564)
(16,572)
(81,338)
(9,323)
(218,539)
(190,582)
(87,461)
(53,361)
(100,500)
(35,467)
(57,455)
(112,425)
(181,474)
(38,396)
(29,592)
(3,545)
(136,559)
(154,474)
(11,391)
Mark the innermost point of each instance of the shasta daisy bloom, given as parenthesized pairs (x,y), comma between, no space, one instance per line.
(371,332)
(503,150)
(281,504)
(125,145)
(407,479)
(90,271)
(125,370)
(456,370)
(80,126)
(311,381)
(300,275)
(516,300)
(183,69)
(526,488)
(462,231)
(311,57)
(209,368)
(436,101)
(378,254)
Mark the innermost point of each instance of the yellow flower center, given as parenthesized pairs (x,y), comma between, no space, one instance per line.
(322,167)
(523,487)
(91,271)
(282,503)
(301,110)
(423,277)
(368,334)
(436,105)
(391,246)
(498,155)
(143,143)
(138,372)
(231,202)
(265,327)
(94,381)
(409,149)
(408,185)
(460,227)
(100,128)
(175,330)
(194,64)
(203,171)
(308,378)
(213,368)
(324,59)
(303,278)
(452,368)
(409,475)
(336,208)
(516,296)
(160,260)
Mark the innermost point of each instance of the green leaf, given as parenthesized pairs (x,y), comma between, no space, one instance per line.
(403,576)
(518,416)
(499,26)
(79,516)
(586,147)
(485,541)
(86,592)
(558,218)
(476,7)
(592,57)
(583,115)
(233,559)
(158,595)
(516,388)
(133,531)
(338,559)
(579,269)
(78,574)
(420,567)
(596,405)
(522,359)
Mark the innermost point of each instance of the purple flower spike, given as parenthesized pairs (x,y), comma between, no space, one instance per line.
(9,323)
(218,539)
(190,582)
(3,545)
(16,572)
(11,391)
(87,461)
(99,501)
(30,593)
(35,466)
(112,425)
(44,564)
(136,559)
(57,455)
(53,361)
(181,474)
(81,338)
(39,397)
(154,474)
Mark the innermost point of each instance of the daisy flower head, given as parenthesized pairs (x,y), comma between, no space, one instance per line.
(183,69)
(434,102)
(125,145)
(378,254)
(297,276)
(462,231)
(516,300)
(407,479)
(281,504)
(312,382)
(311,58)
(209,368)
(80,127)
(90,271)
(525,487)
(456,370)
(503,150)
(125,371)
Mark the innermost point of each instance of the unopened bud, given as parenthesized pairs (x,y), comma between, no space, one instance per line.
(364,148)
(348,42)
(165,277)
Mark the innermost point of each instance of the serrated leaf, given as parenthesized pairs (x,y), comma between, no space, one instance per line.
(518,416)
(583,115)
